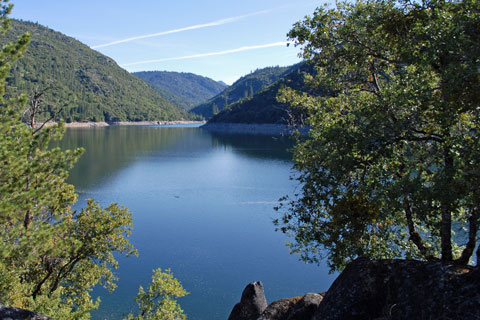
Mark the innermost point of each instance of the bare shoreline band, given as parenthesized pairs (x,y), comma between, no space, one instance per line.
(127,123)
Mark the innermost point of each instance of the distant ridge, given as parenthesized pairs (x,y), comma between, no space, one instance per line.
(243,88)
(185,90)
(263,107)
(88,85)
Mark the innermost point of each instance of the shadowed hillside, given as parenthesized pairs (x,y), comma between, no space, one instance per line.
(263,107)
(243,88)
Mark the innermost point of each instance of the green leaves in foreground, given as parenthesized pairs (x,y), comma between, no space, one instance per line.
(50,255)
(391,165)
(159,303)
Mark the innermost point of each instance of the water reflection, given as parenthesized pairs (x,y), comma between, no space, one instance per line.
(256,146)
(109,149)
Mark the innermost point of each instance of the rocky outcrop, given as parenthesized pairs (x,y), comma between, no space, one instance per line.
(253,306)
(386,289)
(252,303)
(293,308)
(279,310)
(306,307)
(402,289)
(10,313)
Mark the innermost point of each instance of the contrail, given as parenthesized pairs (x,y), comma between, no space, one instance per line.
(217,53)
(198,26)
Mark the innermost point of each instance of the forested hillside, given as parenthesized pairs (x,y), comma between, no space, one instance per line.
(264,107)
(80,83)
(185,90)
(243,88)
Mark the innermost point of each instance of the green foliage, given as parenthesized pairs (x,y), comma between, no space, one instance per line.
(249,84)
(391,165)
(214,109)
(85,85)
(50,255)
(263,107)
(185,90)
(159,303)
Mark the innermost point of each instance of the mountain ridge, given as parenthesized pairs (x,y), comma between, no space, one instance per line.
(183,89)
(263,107)
(245,87)
(81,84)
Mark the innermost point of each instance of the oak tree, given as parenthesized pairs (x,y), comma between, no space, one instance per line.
(390,167)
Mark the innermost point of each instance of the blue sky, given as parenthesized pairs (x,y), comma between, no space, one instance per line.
(220,39)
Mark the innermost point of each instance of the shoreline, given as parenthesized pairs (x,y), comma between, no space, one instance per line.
(252,128)
(127,123)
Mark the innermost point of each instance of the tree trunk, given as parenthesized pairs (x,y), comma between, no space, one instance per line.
(446,207)
(414,236)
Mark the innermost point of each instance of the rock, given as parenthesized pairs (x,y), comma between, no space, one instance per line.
(402,289)
(306,307)
(296,308)
(252,303)
(279,310)
(10,313)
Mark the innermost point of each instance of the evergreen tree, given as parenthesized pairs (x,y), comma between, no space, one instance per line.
(51,256)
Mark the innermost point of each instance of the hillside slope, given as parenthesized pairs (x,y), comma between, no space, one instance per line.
(85,84)
(243,88)
(185,90)
(263,107)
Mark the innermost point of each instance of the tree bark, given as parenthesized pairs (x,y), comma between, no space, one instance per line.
(446,207)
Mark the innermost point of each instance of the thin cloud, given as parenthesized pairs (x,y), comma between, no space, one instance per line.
(198,26)
(217,53)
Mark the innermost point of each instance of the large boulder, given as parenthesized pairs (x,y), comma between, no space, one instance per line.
(296,308)
(402,289)
(252,303)
(10,313)
(306,307)
(253,306)
(379,290)
(279,310)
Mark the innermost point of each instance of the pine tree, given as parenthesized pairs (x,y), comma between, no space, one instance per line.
(214,109)
(51,256)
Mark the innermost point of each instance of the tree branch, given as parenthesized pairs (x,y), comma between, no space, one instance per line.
(414,235)
(472,238)
(63,271)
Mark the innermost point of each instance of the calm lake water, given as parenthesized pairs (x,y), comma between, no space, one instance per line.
(202,205)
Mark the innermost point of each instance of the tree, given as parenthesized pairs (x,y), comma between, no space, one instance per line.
(51,256)
(391,165)
(159,302)
(214,109)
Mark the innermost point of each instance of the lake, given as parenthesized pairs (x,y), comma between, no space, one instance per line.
(202,206)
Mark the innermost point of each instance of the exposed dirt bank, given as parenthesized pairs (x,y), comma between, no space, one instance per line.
(126,123)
